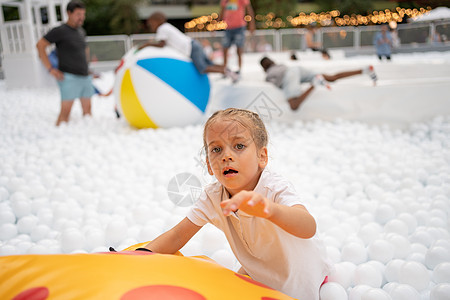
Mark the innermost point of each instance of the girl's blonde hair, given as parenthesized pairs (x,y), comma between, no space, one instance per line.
(246,118)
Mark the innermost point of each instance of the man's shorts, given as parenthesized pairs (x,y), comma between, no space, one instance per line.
(292,80)
(199,58)
(234,36)
(75,86)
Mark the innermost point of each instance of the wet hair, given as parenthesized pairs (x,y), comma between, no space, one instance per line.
(266,62)
(74,4)
(246,118)
(325,53)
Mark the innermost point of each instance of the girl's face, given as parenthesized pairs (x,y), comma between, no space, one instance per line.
(232,156)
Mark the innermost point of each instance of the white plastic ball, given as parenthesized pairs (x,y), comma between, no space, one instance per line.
(376,294)
(388,287)
(440,292)
(409,220)
(441,273)
(396,226)
(381,250)
(23,247)
(191,248)
(7,216)
(343,273)
(6,249)
(357,292)
(141,213)
(418,248)
(149,232)
(370,232)
(333,291)
(212,239)
(133,231)
(384,213)
(38,190)
(367,274)
(438,222)
(8,231)
(39,203)
(425,294)
(224,258)
(127,243)
(37,249)
(71,239)
(94,238)
(100,249)
(415,274)
(24,237)
(404,292)
(45,216)
(61,211)
(39,232)
(393,270)
(116,231)
(436,255)
(422,217)
(26,224)
(402,246)
(417,257)
(354,252)
(20,204)
(333,254)
(16,185)
(4,194)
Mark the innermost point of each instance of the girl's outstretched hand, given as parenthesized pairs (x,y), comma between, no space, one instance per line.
(249,202)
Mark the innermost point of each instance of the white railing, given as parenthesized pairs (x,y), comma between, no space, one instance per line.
(14,38)
(110,49)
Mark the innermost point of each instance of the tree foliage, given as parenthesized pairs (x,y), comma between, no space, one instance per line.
(105,17)
(346,7)
(281,8)
(126,18)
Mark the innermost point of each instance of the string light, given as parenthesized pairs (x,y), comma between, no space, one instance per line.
(210,22)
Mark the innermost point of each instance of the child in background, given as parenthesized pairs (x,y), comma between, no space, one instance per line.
(289,79)
(268,228)
(167,34)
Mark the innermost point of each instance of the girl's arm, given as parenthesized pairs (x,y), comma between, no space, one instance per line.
(173,240)
(294,219)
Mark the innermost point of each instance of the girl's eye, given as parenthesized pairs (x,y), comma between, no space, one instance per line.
(215,150)
(240,146)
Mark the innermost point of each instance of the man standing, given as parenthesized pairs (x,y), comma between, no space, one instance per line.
(233,14)
(72,73)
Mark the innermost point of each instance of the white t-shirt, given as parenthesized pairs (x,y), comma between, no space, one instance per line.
(270,255)
(174,38)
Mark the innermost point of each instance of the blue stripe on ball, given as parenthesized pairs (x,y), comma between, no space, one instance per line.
(181,76)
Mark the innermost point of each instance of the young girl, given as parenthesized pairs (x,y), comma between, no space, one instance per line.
(268,228)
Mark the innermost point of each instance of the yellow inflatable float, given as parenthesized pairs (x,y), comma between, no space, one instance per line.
(125,275)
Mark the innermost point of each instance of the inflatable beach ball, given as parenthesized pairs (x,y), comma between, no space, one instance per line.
(160,88)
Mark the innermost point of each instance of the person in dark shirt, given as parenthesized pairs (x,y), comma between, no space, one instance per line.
(72,73)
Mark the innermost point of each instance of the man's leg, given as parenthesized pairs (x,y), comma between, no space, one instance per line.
(239,54)
(225,56)
(64,114)
(86,106)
